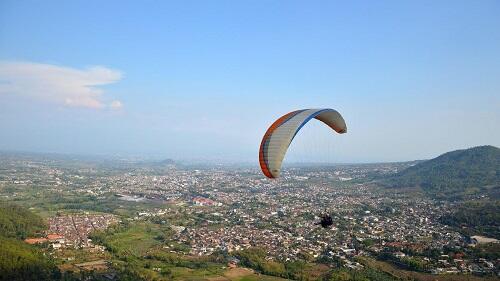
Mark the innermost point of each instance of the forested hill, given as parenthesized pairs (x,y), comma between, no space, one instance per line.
(462,172)
(18,260)
(18,222)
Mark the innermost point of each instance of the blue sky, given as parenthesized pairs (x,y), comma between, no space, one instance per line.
(204,79)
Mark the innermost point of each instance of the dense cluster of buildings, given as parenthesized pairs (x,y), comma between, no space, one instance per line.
(75,229)
(72,231)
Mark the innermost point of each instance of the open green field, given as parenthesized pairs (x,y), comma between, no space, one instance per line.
(46,201)
(244,274)
(134,240)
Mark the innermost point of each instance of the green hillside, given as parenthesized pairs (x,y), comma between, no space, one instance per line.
(16,221)
(18,260)
(458,173)
(476,218)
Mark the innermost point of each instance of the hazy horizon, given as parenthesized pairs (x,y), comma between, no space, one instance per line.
(193,161)
(200,80)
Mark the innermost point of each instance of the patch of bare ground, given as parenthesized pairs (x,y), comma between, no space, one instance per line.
(218,278)
(238,272)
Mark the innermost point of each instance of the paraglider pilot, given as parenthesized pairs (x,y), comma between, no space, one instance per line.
(326,221)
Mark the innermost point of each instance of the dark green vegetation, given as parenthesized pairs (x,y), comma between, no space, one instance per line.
(487,251)
(367,274)
(18,260)
(476,218)
(256,258)
(454,175)
(16,221)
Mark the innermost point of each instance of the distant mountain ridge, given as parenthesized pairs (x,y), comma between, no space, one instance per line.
(460,172)
(167,162)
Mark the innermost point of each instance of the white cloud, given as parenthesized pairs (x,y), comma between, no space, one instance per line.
(57,84)
(116,104)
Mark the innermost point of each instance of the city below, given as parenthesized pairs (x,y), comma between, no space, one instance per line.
(95,211)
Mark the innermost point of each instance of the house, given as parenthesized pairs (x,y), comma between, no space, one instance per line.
(201,201)
(35,240)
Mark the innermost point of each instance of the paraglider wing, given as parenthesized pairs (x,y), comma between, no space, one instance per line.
(278,137)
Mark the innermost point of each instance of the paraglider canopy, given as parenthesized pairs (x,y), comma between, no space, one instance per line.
(280,134)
